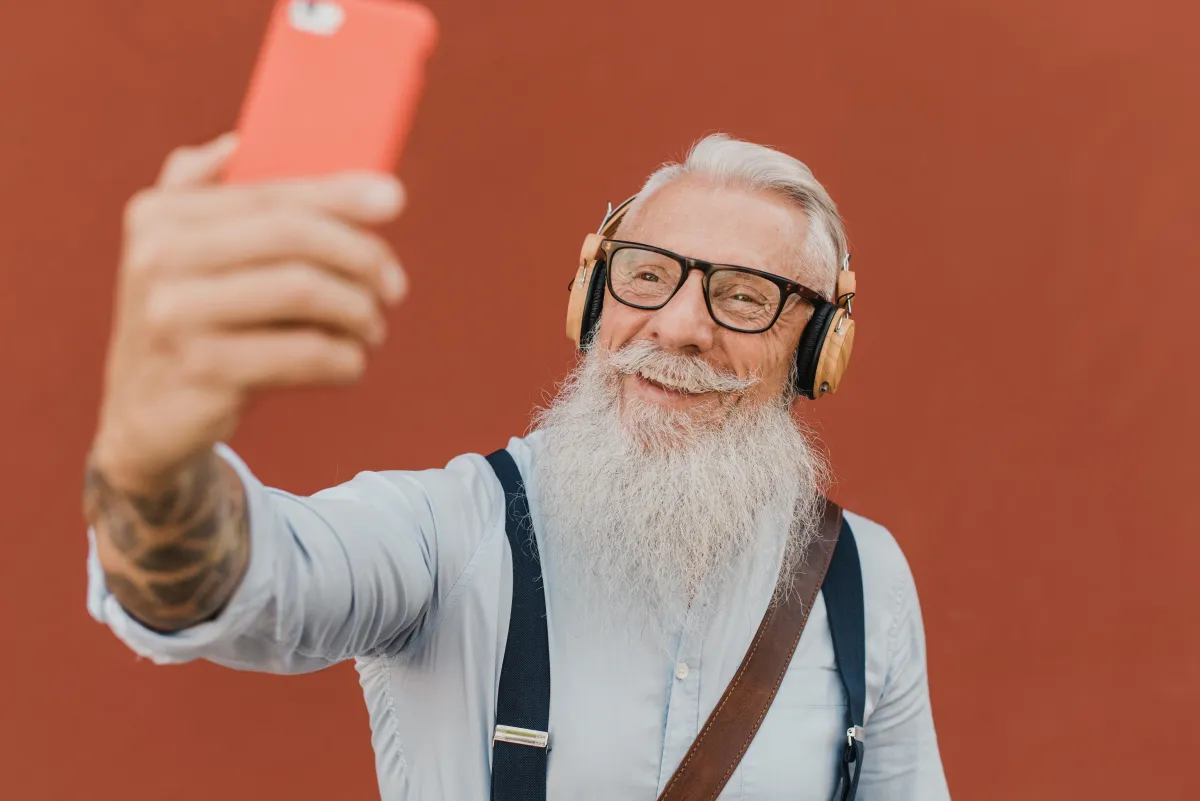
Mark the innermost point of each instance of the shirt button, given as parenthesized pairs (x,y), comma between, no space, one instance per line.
(681,671)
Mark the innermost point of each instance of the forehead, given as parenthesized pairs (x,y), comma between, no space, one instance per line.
(722,225)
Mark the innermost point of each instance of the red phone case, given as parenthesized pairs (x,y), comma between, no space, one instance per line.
(335,88)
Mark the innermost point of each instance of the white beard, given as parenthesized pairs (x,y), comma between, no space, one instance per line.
(647,510)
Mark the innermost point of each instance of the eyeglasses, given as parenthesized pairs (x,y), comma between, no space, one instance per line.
(738,298)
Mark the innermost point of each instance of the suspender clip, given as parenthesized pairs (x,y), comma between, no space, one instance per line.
(519,736)
(855,733)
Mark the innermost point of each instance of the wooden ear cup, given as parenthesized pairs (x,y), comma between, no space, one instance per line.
(587,288)
(825,345)
(581,284)
(808,352)
(835,354)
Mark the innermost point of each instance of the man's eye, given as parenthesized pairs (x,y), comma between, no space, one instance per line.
(742,297)
(647,277)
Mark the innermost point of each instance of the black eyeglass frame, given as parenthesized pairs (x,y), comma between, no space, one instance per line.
(609,247)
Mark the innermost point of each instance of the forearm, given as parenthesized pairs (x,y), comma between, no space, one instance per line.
(283,583)
(172,556)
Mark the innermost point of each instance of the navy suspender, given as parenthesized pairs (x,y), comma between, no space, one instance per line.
(520,740)
(843,591)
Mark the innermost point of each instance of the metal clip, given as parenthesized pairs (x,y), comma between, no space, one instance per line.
(607,217)
(855,733)
(519,736)
(849,296)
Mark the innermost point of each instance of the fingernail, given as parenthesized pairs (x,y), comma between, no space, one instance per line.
(382,195)
(394,283)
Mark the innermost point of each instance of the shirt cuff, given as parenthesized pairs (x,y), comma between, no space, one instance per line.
(212,637)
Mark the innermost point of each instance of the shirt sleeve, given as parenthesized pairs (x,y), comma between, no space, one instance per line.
(353,570)
(902,761)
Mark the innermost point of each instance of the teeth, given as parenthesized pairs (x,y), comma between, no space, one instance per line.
(660,381)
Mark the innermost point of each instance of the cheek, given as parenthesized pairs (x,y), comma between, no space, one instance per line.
(780,351)
(618,324)
(766,355)
(778,366)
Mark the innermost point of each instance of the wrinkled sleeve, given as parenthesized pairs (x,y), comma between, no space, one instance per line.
(902,761)
(354,570)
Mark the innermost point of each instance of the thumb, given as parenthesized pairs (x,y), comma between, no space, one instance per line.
(195,166)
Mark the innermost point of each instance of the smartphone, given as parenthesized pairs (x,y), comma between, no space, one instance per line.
(335,88)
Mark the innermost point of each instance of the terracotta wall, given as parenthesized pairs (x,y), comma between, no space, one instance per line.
(1019,179)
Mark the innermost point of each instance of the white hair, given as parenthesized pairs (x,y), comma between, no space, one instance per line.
(731,162)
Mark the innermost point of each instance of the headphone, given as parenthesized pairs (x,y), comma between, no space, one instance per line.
(821,357)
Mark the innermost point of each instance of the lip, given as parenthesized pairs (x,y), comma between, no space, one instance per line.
(657,393)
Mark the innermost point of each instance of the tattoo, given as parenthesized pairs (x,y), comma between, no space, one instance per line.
(203,529)
(175,593)
(172,558)
(181,501)
(169,558)
(224,572)
(124,535)
(156,511)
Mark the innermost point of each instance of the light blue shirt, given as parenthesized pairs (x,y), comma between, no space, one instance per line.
(409,573)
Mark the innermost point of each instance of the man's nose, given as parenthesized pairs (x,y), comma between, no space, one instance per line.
(684,324)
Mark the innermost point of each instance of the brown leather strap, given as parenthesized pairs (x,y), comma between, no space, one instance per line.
(727,733)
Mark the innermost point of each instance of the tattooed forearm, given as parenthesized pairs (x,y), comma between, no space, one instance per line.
(173,558)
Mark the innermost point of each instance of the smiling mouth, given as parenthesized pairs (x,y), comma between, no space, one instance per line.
(666,387)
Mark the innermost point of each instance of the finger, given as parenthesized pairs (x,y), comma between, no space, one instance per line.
(196,166)
(290,293)
(285,357)
(361,197)
(295,234)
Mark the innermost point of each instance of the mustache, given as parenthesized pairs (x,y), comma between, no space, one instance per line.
(686,373)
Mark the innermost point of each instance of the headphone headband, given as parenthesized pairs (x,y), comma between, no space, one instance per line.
(612,220)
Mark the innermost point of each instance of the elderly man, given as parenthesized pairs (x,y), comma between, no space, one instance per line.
(668,487)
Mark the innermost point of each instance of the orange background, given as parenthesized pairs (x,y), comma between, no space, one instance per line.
(1020,181)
